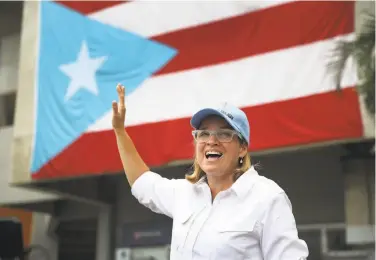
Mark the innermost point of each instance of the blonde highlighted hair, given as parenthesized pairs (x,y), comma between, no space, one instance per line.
(198,173)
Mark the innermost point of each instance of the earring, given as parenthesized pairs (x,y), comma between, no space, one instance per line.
(240,160)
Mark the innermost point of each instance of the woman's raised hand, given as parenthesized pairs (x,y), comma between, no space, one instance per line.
(118,109)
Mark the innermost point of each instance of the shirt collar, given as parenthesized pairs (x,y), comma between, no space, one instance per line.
(245,182)
(241,186)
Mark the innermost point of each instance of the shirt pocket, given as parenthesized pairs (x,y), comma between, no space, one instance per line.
(238,240)
(181,226)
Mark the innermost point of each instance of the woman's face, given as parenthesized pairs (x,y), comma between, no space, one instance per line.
(218,156)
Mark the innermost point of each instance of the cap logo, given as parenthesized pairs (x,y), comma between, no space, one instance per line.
(227,114)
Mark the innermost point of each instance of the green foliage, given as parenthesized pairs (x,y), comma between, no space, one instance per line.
(362,50)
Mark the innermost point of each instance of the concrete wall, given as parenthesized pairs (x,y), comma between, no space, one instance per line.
(10,27)
(42,235)
(24,114)
(360,200)
(14,195)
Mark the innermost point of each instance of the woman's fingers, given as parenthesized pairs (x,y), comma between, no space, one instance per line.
(115,108)
(118,108)
(121,93)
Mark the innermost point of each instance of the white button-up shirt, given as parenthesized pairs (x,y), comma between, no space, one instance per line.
(251,220)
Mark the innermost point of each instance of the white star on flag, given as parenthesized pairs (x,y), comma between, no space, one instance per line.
(82,72)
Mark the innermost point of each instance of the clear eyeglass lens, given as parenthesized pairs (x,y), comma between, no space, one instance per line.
(221,135)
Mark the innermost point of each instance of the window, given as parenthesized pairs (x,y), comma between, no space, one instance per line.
(7,108)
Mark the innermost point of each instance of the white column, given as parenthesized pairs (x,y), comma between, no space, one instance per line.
(43,236)
(104,234)
(360,200)
(24,113)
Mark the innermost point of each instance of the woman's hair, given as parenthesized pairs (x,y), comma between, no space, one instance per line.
(198,173)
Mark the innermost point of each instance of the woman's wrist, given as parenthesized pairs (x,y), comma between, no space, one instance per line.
(119,131)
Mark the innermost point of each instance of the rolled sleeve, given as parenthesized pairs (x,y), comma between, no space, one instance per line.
(280,239)
(155,192)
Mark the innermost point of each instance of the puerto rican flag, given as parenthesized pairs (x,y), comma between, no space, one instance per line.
(267,57)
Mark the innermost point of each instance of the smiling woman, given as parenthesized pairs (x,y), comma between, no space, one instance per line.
(223,182)
(218,154)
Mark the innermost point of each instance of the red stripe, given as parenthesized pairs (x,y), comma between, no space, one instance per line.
(87,7)
(258,32)
(269,29)
(320,118)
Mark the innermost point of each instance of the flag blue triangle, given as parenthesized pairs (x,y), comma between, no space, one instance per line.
(80,63)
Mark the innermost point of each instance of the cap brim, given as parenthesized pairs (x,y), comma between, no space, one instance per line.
(202,114)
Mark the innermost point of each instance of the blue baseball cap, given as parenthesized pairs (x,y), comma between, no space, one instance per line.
(236,118)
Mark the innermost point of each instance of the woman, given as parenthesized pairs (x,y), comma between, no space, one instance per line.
(224,210)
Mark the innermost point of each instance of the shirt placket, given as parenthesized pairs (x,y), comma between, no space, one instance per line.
(204,216)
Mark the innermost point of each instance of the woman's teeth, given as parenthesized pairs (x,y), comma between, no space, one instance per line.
(213,155)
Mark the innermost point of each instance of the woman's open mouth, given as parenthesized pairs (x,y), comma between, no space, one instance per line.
(213,155)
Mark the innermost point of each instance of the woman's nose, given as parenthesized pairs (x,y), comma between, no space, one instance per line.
(212,139)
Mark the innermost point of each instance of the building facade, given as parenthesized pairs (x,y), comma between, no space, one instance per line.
(63,164)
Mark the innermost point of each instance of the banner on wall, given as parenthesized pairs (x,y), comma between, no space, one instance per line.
(267,57)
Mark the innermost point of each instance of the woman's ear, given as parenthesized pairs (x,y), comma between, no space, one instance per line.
(243,150)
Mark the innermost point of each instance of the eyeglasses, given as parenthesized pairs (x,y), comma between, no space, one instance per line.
(222,135)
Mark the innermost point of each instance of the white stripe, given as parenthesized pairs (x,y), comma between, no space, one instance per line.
(276,76)
(150,18)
